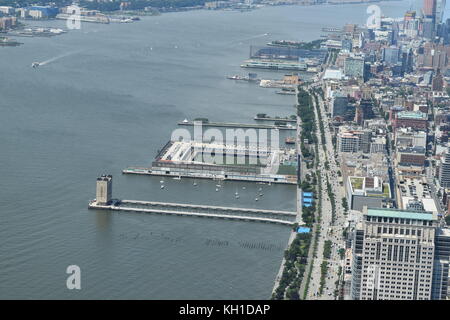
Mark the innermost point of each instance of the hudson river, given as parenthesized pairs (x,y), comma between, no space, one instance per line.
(109,98)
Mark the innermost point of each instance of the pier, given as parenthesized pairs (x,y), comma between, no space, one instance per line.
(275,119)
(236,125)
(209,173)
(203,211)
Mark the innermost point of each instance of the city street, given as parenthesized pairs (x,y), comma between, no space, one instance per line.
(329,230)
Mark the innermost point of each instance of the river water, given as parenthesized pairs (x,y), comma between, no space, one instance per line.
(109,98)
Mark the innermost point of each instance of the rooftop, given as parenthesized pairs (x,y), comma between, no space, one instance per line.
(416,115)
(393,213)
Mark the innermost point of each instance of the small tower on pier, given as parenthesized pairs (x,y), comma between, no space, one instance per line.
(104,190)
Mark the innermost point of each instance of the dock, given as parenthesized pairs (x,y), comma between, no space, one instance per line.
(235,125)
(214,175)
(275,119)
(204,211)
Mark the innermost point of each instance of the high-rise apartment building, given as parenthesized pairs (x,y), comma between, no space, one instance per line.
(444,171)
(395,256)
(354,140)
(354,67)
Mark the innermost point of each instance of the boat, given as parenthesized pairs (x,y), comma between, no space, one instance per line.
(289,140)
(287,91)
(35,64)
(235,77)
(250,78)
(8,42)
(177,178)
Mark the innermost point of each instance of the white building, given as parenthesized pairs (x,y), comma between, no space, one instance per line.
(397,255)
(7,10)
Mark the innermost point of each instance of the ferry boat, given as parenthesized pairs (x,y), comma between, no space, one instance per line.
(290,140)
(251,77)
(7,42)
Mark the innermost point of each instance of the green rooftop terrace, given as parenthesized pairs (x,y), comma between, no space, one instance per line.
(357,183)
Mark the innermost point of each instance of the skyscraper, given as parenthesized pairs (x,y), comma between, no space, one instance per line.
(440,7)
(395,256)
(444,172)
(429,8)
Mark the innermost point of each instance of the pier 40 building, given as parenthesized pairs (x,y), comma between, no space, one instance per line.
(400,255)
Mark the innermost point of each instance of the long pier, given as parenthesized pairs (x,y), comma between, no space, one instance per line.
(214,175)
(182,210)
(274,119)
(237,125)
(211,208)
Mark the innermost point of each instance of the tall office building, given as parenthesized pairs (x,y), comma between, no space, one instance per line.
(440,7)
(428,28)
(104,189)
(441,265)
(444,172)
(429,8)
(395,256)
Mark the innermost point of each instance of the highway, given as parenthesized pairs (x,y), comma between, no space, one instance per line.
(329,229)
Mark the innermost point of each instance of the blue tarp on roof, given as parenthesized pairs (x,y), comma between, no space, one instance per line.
(307,200)
(307,204)
(307,194)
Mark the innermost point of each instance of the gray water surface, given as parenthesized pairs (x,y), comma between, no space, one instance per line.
(111,99)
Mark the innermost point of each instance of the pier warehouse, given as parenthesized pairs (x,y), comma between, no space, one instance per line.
(221,161)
